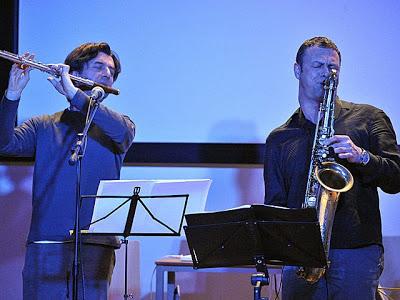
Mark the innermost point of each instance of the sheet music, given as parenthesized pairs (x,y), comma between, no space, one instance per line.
(169,210)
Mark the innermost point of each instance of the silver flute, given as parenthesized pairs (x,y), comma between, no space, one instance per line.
(45,68)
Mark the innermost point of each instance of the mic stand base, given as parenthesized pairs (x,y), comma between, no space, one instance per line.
(261,278)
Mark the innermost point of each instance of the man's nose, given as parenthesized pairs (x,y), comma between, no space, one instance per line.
(106,72)
(325,71)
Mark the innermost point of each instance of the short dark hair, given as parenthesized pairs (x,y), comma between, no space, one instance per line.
(318,41)
(85,52)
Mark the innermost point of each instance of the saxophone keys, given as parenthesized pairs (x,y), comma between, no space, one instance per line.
(311,201)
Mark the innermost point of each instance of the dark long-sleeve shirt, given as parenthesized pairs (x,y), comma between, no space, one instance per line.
(49,139)
(287,160)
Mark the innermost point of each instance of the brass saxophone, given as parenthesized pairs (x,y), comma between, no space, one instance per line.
(326,178)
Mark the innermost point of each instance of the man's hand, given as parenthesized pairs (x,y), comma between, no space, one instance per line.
(19,77)
(345,148)
(64,86)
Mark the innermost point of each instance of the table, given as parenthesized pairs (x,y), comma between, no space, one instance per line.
(171,265)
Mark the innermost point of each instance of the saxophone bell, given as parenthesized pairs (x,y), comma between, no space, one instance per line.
(334,177)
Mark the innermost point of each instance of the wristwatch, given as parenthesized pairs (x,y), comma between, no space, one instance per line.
(364,158)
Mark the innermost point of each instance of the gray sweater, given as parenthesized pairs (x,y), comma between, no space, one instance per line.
(49,138)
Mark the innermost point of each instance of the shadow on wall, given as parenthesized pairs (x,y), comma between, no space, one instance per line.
(15,214)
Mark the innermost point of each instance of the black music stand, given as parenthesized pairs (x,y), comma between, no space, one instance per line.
(130,204)
(255,235)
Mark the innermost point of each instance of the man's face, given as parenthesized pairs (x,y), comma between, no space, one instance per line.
(100,69)
(315,68)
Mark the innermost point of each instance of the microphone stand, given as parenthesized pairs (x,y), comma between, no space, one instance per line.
(78,152)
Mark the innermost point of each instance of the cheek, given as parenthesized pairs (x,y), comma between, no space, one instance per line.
(82,74)
(309,79)
(307,76)
(92,75)
(315,77)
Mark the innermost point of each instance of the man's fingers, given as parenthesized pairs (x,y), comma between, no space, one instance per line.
(26,56)
(56,84)
(345,155)
(59,69)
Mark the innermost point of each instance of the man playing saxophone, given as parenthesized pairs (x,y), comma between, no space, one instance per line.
(364,142)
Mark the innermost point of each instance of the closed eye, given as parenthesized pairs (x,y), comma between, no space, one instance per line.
(316,64)
(100,66)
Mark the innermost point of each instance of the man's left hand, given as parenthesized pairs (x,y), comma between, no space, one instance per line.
(64,86)
(345,148)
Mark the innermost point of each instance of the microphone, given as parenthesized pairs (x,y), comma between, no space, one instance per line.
(98,94)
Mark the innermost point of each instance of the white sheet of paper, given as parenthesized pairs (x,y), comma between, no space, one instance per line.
(169,210)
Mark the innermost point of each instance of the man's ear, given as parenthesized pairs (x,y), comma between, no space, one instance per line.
(297,70)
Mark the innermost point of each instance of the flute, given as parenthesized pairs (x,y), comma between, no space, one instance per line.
(45,68)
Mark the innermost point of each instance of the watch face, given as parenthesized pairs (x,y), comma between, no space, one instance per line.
(364,157)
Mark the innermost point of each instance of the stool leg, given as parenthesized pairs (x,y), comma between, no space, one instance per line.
(170,285)
(159,283)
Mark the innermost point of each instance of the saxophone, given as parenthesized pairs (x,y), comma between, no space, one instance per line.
(326,178)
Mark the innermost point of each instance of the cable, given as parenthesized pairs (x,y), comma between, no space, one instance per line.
(278,290)
(81,267)
(151,283)
(326,285)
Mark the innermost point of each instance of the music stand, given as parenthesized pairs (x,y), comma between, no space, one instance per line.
(115,214)
(255,235)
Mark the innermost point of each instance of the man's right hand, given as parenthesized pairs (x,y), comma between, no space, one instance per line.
(19,77)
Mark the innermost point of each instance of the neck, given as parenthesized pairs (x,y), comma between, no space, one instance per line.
(73,108)
(310,109)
